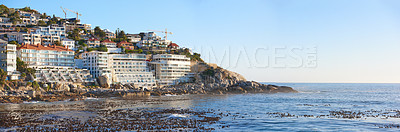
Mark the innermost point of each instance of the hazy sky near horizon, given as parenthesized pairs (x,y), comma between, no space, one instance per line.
(354,41)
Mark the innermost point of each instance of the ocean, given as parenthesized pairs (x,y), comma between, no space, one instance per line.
(317,107)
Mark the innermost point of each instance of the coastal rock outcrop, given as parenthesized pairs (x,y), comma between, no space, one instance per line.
(104,81)
(209,78)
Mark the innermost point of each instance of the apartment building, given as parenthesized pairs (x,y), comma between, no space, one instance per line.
(126,45)
(37,56)
(93,43)
(171,69)
(97,63)
(132,69)
(24,38)
(109,34)
(69,43)
(134,38)
(8,59)
(109,44)
(51,33)
(150,39)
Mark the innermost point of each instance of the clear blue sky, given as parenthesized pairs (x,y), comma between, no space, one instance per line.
(356,40)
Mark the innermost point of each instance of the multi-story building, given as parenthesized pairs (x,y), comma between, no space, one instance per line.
(69,43)
(97,63)
(51,33)
(150,39)
(37,56)
(171,69)
(8,59)
(132,69)
(109,43)
(52,30)
(93,42)
(24,38)
(63,75)
(134,38)
(126,45)
(109,34)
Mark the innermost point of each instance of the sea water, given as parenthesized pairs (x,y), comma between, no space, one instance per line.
(310,110)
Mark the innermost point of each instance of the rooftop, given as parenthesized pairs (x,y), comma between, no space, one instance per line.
(41,47)
(107,41)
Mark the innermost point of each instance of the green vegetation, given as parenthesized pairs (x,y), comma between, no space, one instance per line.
(99,33)
(35,85)
(58,43)
(134,51)
(102,48)
(4,10)
(120,36)
(41,23)
(28,9)
(75,34)
(23,68)
(208,72)
(3,77)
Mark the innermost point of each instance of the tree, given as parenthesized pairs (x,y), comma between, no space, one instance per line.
(35,85)
(75,35)
(44,16)
(4,9)
(57,43)
(3,76)
(99,33)
(122,35)
(23,68)
(102,48)
(41,23)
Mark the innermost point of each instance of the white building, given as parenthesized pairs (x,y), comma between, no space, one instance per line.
(63,75)
(109,43)
(93,43)
(150,39)
(134,38)
(171,69)
(51,33)
(69,43)
(8,59)
(132,69)
(97,63)
(24,38)
(37,56)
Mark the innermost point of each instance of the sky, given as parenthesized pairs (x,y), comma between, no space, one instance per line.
(315,41)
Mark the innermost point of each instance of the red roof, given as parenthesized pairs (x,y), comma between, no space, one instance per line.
(93,39)
(41,47)
(124,42)
(107,41)
(173,45)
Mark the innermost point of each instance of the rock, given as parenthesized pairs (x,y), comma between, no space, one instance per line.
(104,81)
(32,93)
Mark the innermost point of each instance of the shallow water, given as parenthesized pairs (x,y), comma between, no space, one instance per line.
(318,107)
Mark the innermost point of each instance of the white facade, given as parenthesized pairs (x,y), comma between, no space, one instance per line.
(51,33)
(63,75)
(109,44)
(132,69)
(36,56)
(133,38)
(171,69)
(8,57)
(97,63)
(151,39)
(69,43)
(25,38)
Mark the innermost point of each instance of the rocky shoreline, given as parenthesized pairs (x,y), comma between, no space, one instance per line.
(209,79)
(83,93)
